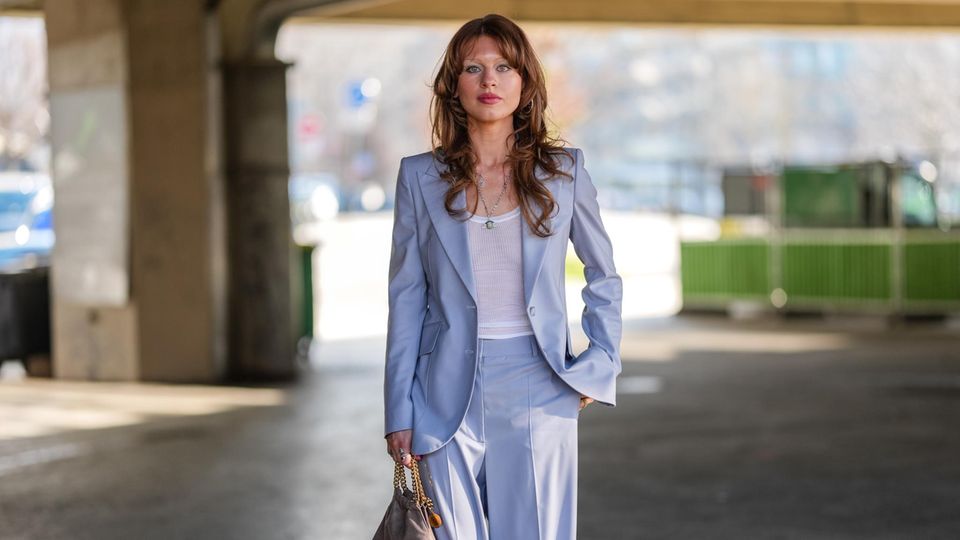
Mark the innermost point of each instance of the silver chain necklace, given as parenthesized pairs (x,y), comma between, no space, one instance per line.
(489,223)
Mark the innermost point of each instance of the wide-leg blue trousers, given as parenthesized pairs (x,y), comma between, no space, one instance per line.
(510,471)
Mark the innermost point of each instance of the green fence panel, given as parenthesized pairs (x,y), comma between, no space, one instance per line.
(932,271)
(725,269)
(837,271)
(849,271)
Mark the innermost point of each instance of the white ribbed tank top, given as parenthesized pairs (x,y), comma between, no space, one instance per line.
(498,274)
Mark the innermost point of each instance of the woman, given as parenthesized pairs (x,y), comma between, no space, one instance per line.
(480,380)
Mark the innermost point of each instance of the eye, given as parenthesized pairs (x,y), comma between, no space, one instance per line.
(472,69)
(505,66)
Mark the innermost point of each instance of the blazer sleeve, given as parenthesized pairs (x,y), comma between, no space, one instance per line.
(407,299)
(603,293)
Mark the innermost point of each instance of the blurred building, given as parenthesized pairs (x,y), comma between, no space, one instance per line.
(170,132)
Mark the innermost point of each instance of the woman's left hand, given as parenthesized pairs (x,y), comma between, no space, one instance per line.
(584,401)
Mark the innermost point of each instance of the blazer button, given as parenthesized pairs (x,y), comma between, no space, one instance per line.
(532,311)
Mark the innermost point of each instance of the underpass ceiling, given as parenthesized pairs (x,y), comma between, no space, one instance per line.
(875,13)
(884,13)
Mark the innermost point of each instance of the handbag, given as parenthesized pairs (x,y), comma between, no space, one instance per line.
(410,514)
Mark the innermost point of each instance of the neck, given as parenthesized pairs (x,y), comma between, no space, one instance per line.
(491,142)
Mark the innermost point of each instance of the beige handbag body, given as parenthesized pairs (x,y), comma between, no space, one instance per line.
(410,514)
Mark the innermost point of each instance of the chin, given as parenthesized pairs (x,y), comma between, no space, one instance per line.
(487,117)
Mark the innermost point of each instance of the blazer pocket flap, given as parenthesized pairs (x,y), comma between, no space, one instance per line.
(428,337)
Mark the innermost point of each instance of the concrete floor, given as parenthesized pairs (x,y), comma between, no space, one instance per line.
(723,430)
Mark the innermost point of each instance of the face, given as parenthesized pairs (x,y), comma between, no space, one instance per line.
(488,87)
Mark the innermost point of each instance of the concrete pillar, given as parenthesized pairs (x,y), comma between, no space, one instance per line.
(262,334)
(139,267)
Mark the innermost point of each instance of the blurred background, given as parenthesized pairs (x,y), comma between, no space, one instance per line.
(196,201)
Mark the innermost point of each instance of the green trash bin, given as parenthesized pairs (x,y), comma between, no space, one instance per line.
(303,305)
(306,264)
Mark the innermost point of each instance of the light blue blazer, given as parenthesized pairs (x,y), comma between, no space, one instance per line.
(431,355)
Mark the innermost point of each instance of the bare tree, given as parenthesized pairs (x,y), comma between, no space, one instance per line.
(24,113)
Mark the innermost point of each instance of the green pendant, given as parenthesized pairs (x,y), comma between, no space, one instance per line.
(489,223)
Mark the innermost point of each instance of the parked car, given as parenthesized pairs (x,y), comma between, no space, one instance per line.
(313,197)
(26,221)
(26,241)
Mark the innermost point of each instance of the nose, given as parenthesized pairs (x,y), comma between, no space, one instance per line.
(489,79)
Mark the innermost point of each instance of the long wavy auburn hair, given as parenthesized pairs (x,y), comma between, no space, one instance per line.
(532,144)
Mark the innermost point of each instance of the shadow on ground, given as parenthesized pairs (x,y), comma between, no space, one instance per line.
(723,429)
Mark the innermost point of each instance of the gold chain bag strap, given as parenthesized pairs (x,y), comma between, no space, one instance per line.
(410,514)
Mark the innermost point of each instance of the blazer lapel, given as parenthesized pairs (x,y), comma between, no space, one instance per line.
(534,247)
(453,233)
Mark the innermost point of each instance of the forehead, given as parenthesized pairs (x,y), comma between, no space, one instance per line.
(482,47)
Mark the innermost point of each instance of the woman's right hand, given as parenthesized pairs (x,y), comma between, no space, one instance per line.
(401,440)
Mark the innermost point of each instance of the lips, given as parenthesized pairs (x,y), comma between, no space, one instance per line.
(488,99)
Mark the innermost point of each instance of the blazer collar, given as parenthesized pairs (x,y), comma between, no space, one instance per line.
(453,233)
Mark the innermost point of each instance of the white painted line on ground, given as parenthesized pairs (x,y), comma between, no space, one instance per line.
(9,464)
(639,385)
